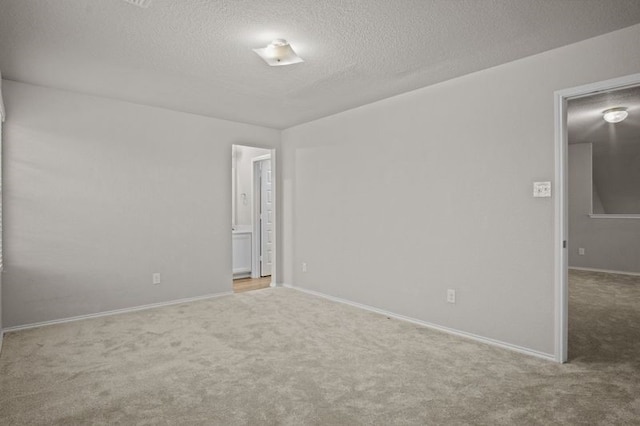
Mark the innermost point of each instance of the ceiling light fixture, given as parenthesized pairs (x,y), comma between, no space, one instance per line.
(615,115)
(278,53)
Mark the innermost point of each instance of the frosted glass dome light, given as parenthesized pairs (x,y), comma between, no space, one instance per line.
(615,115)
(279,52)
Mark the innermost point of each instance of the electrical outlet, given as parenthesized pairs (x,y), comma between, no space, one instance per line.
(304,266)
(581,251)
(156,278)
(451,296)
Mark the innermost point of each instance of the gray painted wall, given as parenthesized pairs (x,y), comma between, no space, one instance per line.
(616,174)
(610,244)
(395,202)
(99,194)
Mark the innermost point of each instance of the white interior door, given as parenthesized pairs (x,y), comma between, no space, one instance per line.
(266,218)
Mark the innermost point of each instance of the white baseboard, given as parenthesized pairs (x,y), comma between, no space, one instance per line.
(115,312)
(481,339)
(606,271)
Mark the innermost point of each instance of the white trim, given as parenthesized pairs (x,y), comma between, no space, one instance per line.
(561,219)
(2,110)
(261,157)
(276,213)
(1,339)
(606,271)
(115,312)
(234,183)
(561,318)
(255,224)
(614,216)
(255,214)
(590,169)
(255,251)
(477,338)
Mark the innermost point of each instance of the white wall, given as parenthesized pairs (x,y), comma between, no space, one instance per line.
(610,244)
(243,158)
(99,194)
(394,202)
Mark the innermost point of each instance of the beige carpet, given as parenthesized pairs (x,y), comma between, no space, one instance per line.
(278,356)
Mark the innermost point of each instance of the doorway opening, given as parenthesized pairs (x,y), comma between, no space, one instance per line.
(253,217)
(597,221)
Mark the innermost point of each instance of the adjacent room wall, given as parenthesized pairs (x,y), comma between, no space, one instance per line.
(244,164)
(100,194)
(610,244)
(395,202)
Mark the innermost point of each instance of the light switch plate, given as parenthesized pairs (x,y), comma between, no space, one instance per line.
(542,189)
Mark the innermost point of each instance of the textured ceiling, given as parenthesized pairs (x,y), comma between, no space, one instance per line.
(195,56)
(616,147)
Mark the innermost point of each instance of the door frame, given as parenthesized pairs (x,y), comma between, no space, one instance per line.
(255,211)
(562,202)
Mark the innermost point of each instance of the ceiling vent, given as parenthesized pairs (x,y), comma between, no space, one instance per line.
(139,3)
